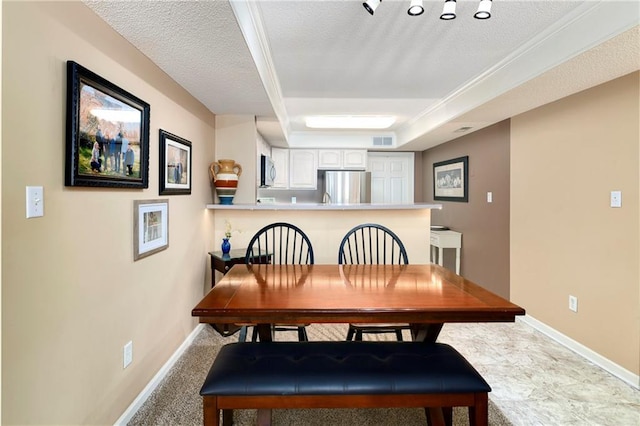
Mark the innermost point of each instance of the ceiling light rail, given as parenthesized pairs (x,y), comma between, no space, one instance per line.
(448,11)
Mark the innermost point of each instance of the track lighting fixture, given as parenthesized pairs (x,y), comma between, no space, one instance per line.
(449,10)
(484,10)
(415,8)
(371,5)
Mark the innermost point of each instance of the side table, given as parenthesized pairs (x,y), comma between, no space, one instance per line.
(223,262)
(445,239)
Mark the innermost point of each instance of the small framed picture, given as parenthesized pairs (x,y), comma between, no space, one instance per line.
(150,227)
(175,164)
(451,180)
(107,133)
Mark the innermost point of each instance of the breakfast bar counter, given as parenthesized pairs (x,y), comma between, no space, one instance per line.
(322,206)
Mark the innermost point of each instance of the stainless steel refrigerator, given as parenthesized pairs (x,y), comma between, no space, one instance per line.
(347,187)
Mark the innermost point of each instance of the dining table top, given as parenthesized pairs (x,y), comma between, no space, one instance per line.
(302,294)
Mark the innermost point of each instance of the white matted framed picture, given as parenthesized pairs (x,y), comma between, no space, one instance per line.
(451,180)
(150,227)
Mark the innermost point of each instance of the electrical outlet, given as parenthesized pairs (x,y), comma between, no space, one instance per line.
(127,354)
(573,303)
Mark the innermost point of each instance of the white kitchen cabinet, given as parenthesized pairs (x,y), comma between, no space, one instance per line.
(303,168)
(329,159)
(280,157)
(339,159)
(354,159)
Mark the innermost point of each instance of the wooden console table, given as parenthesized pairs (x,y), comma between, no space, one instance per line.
(442,240)
(223,262)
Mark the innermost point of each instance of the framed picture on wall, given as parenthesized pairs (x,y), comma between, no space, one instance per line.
(451,180)
(150,227)
(175,164)
(107,133)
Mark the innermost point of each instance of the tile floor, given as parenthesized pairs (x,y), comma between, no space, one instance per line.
(537,381)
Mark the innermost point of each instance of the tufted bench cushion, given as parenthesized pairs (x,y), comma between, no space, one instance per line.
(328,371)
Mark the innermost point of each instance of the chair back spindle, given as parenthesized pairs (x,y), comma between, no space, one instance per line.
(372,244)
(282,243)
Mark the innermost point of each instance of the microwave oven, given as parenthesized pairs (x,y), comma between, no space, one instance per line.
(267,171)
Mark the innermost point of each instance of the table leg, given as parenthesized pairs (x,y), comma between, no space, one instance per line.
(458,261)
(425,332)
(433,254)
(265,332)
(440,255)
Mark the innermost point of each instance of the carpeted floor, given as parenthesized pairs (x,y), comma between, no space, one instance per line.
(176,401)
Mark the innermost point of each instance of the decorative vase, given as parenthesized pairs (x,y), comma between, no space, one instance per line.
(225,174)
(226,246)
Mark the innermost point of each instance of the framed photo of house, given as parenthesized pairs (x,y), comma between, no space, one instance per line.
(107,133)
(150,227)
(451,180)
(175,164)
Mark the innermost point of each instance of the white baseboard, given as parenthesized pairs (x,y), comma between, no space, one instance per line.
(602,362)
(155,381)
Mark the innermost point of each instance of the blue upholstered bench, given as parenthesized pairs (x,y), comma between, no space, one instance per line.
(354,374)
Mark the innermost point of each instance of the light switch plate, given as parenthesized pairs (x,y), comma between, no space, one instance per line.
(489,197)
(35,201)
(616,198)
(127,354)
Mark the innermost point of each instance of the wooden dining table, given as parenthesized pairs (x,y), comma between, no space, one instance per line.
(424,296)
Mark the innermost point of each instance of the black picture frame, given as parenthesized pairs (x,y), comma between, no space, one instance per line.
(451,180)
(102,118)
(175,164)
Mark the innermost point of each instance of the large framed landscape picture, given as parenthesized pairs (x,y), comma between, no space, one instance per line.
(451,180)
(107,133)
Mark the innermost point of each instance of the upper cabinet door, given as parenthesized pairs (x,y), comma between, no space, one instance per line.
(303,168)
(338,159)
(330,159)
(354,159)
(280,157)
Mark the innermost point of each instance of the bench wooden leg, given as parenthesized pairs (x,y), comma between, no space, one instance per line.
(479,414)
(211,412)
(435,416)
(447,413)
(264,417)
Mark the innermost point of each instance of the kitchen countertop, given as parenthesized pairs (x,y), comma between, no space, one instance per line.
(321,206)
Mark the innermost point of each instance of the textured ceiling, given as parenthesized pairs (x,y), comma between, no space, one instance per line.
(282,60)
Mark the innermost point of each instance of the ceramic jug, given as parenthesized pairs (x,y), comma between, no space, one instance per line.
(225,174)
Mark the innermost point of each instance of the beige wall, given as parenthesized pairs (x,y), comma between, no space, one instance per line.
(237,139)
(72,296)
(566,157)
(484,226)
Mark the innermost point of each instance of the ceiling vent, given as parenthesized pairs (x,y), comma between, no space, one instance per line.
(382,141)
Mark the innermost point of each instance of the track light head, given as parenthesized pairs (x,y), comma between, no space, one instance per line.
(415,8)
(484,10)
(371,5)
(449,10)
